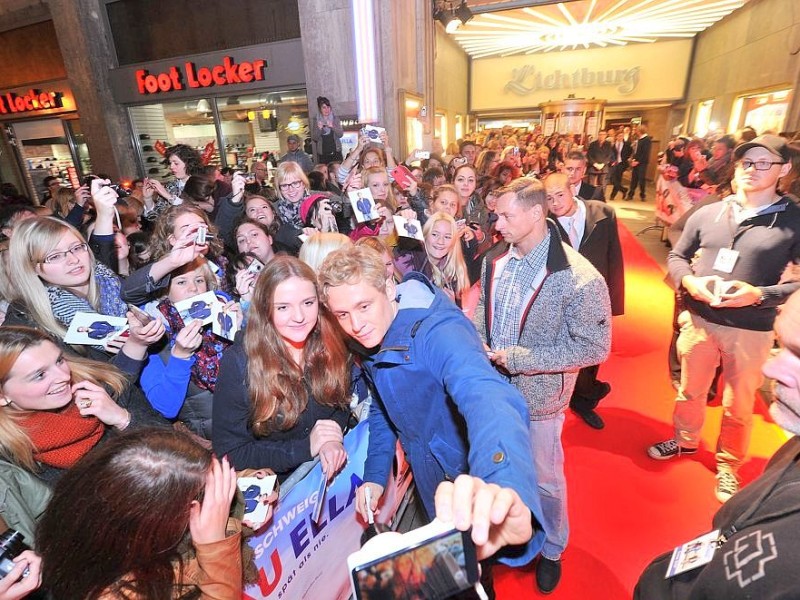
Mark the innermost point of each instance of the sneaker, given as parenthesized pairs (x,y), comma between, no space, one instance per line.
(727,486)
(668,449)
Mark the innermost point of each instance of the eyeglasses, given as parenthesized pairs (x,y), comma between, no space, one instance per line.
(294,185)
(760,165)
(59,257)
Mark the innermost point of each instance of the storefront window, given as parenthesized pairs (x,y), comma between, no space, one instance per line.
(254,124)
(44,148)
(189,122)
(762,112)
(248,126)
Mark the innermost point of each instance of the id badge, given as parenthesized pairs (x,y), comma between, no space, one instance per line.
(693,554)
(726,260)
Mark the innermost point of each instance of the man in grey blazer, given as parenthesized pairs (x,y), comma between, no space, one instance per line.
(544,313)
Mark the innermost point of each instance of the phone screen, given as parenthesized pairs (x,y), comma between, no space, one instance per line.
(435,569)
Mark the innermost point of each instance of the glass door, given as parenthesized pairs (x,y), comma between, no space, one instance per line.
(45,149)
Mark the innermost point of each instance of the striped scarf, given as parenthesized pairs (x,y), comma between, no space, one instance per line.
(66,304)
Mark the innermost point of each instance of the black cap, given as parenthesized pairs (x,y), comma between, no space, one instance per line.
(775,144)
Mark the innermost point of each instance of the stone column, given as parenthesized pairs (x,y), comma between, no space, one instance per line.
(403,56)
(88,52)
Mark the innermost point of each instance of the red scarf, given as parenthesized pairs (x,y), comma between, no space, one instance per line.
(62,438)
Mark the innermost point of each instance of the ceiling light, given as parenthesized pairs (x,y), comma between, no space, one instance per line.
(463,12)
(573,25)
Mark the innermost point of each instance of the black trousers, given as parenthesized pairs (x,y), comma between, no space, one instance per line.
(588,391)
(616,179)
(638,178)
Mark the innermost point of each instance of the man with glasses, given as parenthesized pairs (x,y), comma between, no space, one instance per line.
(261,186)
(728,262)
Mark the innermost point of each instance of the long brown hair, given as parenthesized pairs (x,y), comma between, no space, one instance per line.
(126,507)
(15,443)
(278,386)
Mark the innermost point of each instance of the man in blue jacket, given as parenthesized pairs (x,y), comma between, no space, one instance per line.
(437,391)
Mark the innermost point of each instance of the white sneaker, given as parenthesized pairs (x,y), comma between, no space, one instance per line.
(727,486)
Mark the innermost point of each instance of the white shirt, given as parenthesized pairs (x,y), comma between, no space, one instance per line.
(579,217)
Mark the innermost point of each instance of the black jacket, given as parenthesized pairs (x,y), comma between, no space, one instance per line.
(758,560)
(282,451)
(601,246)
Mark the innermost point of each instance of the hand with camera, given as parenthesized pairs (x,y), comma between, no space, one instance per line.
(238,182)
(82,195)
(148,191)
(245,282)
(104,198)
(353,182)
(24,577)
(142,335)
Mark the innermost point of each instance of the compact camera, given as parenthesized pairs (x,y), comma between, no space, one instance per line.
(336,206)
(11,546)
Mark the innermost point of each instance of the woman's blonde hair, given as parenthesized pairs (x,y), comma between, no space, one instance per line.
(289,168)
(32,241)
(318,246)
(165,227)
(368,174)
(59,202)
(453,274)
(15,443)
(279,388)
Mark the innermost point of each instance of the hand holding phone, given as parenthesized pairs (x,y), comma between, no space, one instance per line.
(140,315)
(402,177)
(432,562)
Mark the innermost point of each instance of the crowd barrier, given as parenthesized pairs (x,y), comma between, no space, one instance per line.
(298,558)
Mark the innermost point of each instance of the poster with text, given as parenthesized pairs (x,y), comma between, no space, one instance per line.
(298,558)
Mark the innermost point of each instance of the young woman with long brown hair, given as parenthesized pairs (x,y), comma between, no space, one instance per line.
(282,395)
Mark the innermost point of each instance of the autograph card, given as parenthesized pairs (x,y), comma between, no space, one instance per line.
(255,491)
(93,329)
(226,322)
(409,228)
(374,133)
(363,205)
(197,307)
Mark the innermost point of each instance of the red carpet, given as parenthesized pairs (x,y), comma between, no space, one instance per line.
(625,508)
